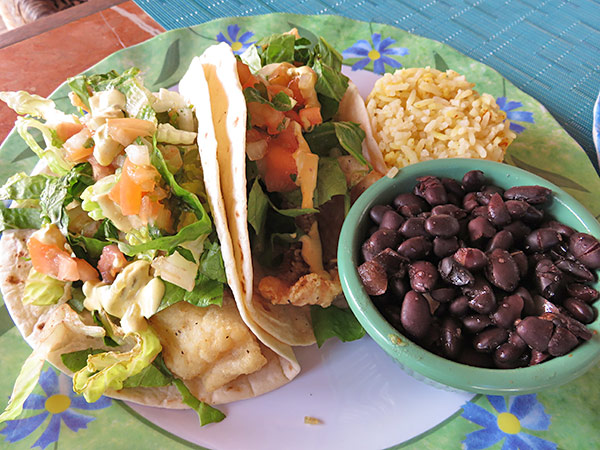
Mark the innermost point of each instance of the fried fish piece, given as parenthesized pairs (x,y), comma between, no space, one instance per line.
(211,343)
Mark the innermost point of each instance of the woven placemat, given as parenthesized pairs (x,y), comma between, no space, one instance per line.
(549,49)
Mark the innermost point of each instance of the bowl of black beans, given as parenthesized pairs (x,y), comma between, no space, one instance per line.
(475,275)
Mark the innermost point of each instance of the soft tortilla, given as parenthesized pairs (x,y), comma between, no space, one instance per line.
(229,117)
(78,332)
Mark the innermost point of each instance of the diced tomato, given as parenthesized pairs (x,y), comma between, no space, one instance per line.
(287,139)
(274,89)
(292,114)
(293,86)
(245,76)
(144,176)
(86,270)
(256,134)
(310,117)
(75,146)
(149,209)
(264,116)
(65,130)
(280,75)
(57,263)
(126,130)
(98,170)
(126,192)
(278,165)
(111,263)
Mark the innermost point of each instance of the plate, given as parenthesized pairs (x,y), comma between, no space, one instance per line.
(361,398)
(596,127)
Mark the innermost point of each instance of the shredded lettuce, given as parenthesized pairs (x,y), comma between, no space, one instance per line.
(52,154)
(168,134)
(24,187)
(25,103)
(42,289)
(176,269)
(164,100)
(19,218)
(109,370)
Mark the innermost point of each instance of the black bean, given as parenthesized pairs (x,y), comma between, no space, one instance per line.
(417,247)
(518,229)
(538,357)
(534,195)
(398,286)
(470,202)
(562,342)
(459,306)
(393,314)
(533,216)
(474,323)
(586,249)
(451,337)
(489,339)
(485,195)
(502,239)
(508,311)
(507,353)
(565,230)
(542,239)
(498,213)
(431,189)
(522,262)
(481,296)
(580,310)
(516,208)
(473,180)
(549,278)
(376,213)
(373,277)
(502,271)
(391,220)
(528,303)
(583,292)
(414,226)
(422,275)
(471,258)
(480,211)
(449,209)
(416,316)
(453,187)
(471,357)
(380,240)
(480,228)
(535,332)
(409,205)
(442,225)
(445,246)
(443,295)
(454,273)
(392,262)
(573,325)
(516,340)
(575,269)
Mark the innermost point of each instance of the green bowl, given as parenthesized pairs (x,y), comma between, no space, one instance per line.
(421,363)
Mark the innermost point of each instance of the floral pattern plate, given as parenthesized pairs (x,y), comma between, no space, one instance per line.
(359,396)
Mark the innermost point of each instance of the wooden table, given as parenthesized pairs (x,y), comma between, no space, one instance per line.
(68,42)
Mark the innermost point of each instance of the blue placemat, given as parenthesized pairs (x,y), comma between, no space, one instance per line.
(549,49)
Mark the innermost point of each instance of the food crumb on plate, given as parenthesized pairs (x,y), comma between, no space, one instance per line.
(312,420)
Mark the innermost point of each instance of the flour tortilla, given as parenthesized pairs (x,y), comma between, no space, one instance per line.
(61,330)
(229,118)
(288,324)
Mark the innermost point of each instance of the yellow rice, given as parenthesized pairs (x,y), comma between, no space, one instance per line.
(419,114)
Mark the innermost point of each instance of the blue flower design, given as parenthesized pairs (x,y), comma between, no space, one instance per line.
(514,116)
(238,45)
(523,411)
(376,52)
(56,405)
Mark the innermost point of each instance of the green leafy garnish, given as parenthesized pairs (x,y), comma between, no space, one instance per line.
(335,322)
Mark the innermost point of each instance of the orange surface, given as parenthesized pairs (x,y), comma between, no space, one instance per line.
(41,63)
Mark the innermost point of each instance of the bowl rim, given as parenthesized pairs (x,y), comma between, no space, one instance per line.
(416,359)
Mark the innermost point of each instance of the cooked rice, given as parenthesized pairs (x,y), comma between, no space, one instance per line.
(419,114)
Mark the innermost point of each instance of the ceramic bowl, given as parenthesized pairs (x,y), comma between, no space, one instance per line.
(411,357)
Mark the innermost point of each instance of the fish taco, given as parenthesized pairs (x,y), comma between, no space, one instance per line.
(116,260)
(295,148)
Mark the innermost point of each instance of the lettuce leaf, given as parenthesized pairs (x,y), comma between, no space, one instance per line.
(331,181)
(343,135)
(335,322)
(276,48)
(206,292)
(280,102)
(24,187)
(42,290)
(109,370)
(206,413)
(52,154)
(19,218)
(25,103)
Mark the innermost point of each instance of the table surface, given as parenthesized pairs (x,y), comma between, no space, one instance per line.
(549,49)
